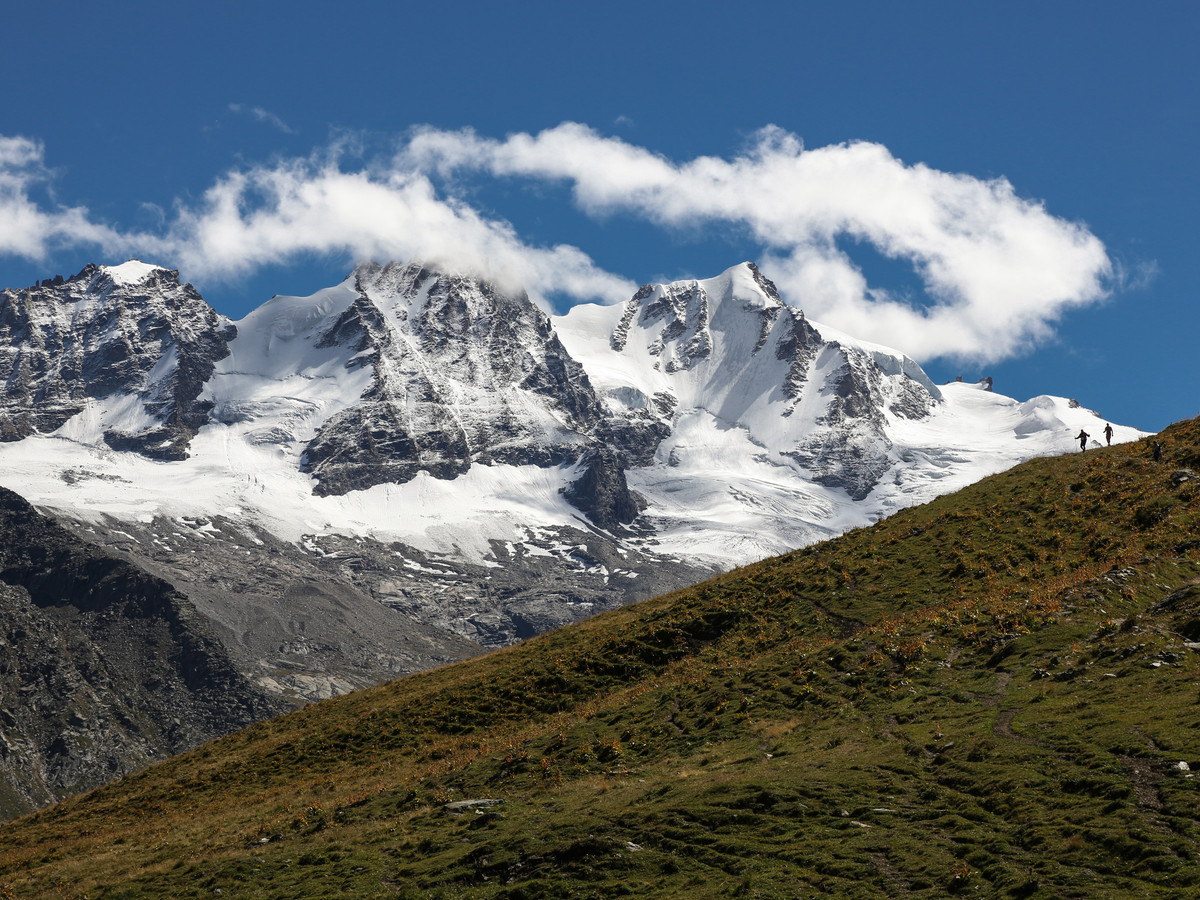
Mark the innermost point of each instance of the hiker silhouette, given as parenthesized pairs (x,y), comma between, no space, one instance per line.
(1108,433)
(1082,438)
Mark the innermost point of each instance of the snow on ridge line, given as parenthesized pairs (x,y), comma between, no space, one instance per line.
(132,272)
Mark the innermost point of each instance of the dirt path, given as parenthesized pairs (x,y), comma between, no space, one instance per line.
(897,886)
(1003,727)
(1004,720)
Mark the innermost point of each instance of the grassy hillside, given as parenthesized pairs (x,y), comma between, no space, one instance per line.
(990,695)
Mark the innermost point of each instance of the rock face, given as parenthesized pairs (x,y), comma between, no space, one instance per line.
(602,492)
(462,374)
(337,613)
(730,347)
(103,668)
(131,334)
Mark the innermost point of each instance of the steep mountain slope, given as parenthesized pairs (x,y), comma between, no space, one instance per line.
(779,431)
(463,375)
(729,348)
(402,372)
(128,347)
(424,460)
(104,667)
(993,693)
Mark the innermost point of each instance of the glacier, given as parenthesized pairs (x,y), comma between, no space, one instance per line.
(450,453)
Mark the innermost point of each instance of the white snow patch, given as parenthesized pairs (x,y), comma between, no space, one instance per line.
(132,272)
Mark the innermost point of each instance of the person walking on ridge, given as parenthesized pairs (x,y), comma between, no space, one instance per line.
(1108,433)
(1082,438)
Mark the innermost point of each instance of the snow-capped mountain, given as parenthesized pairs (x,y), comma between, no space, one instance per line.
(425,440)
(461,375)
(780,431)
(131,336)
(400,373)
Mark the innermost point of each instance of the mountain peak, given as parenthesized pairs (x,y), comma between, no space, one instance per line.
(463,373)
(134,271)
(129,345)
(746,283)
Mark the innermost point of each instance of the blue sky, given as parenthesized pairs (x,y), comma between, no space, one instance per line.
(1008,191)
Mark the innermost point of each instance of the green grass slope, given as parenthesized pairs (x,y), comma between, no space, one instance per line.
(997,694)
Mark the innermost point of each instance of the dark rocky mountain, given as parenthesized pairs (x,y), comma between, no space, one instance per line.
(338,613)
(103,668)
(463,374)
(131,330)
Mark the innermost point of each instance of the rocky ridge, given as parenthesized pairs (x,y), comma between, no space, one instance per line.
(731,346)
(133,332)
(463,374)
(103,668)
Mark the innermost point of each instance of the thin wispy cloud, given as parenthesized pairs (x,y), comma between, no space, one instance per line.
(997,270)
(1137,277)
(262,115)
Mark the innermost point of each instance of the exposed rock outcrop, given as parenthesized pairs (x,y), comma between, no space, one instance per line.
(130,332)
(602,492)
(103,668)
(463,374)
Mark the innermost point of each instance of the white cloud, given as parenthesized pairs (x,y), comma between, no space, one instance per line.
(26,228)
(998,270)
(271,214)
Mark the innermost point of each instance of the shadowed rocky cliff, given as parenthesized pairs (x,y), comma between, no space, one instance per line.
(103,668)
